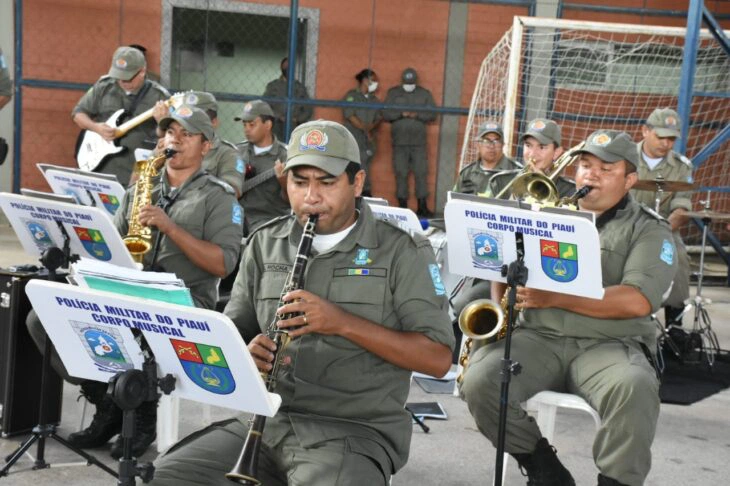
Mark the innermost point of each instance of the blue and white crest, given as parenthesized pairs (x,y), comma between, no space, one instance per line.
(105,346)
(667,253)
(240,166)
(236,213)
(486,249)
(362,257)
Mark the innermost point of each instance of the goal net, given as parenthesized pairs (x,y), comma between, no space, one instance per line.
(591,75)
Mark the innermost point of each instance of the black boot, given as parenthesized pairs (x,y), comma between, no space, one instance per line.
(423,210)
(107,421)
(145,431)
(606,481)
(543,467)
(402,203)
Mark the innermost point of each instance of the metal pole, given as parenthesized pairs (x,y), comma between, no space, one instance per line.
(293,30)
(689,62)
(18,102)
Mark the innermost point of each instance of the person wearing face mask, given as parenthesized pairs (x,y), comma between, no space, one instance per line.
(409,138)
(125,86)
(362,121)
(277,89)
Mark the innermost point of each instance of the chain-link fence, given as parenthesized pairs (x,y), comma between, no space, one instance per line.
(234,49)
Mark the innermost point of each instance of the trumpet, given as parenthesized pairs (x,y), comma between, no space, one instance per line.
(537,186)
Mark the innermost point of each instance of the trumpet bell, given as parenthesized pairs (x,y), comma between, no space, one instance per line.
(481,319)
(536,186)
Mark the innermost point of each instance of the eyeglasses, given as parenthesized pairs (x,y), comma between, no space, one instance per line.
(487,141)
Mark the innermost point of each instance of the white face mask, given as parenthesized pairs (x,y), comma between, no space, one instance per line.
(372,86)
(409,88)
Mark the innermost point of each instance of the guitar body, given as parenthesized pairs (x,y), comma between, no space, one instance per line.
(92,149)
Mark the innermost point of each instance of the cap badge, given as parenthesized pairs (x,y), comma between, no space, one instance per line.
(670,121)
(121,63)
(247,107)
(192,99)
(538,125)
(313,139)
(184,112)
(491,126)
(601,139)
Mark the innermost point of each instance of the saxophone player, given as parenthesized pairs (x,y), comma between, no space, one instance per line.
(371,311)
(600,349)
(200,226)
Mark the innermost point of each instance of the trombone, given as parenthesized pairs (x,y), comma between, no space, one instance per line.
(538,186)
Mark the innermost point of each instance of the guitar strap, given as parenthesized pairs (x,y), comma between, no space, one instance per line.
(138,97)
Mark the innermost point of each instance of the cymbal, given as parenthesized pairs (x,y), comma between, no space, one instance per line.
(666,186)
(708,214)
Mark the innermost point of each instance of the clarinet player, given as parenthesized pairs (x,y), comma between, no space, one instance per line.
(371,311)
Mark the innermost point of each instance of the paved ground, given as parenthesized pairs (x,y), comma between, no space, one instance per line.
(692,445)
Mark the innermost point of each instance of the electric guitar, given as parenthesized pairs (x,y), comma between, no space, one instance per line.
(92,149)
(257,180)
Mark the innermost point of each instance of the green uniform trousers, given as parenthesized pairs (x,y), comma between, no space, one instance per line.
(204,457)
(614,377)
(410,158)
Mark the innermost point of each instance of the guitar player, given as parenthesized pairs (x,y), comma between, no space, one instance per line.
(125,87)
(264,190)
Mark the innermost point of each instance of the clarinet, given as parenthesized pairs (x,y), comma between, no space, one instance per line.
(246,469)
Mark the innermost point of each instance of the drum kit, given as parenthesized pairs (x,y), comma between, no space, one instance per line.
(702,334)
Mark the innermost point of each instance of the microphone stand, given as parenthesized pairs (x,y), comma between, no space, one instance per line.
(516,274)
(52,259)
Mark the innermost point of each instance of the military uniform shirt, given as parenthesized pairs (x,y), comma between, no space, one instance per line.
(409,131)
(637,250)
(6,85)
(674,167)
(204,207)
(277,89)
(365,115)
(334,388)
(265,201)
(565,186)
(224,162)
(106,97)
(474,179)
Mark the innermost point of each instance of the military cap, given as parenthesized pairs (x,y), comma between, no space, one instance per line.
(193,119)
(611,146)
(253,109)
(126,63)
(490,127)
(324,144)
(665,122)
(544,130)
(409,76)
(202,99)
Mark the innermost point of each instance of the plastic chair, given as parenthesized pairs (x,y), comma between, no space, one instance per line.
(544,406)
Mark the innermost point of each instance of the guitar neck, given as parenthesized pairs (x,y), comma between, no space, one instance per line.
(257,179)
(137,120)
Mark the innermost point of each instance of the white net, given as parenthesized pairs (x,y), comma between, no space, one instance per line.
(590,76)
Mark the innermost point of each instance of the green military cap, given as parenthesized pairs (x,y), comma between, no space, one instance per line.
(324,144)
(193,119)
(665,122)
(410,76)
(201,99)
(126,63)
(611,146)
(490,127)
(544,130)
(253,109)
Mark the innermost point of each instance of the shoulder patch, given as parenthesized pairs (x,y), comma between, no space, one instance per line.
(226,186)
(667,253)
(237,213)
(438,284)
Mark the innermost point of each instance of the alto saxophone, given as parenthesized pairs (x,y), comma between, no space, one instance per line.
(139,237)
(246,469)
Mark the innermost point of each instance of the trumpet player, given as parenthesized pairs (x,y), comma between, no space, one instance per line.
(541,146)
(602,350)
(371,311)
(200,228)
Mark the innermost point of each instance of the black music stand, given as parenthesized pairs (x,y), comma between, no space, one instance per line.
(516,274)
(52,259)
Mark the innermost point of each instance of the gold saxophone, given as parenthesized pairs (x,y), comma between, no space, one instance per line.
(139,237)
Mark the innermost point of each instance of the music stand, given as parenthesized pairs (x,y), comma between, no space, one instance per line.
(52,259)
